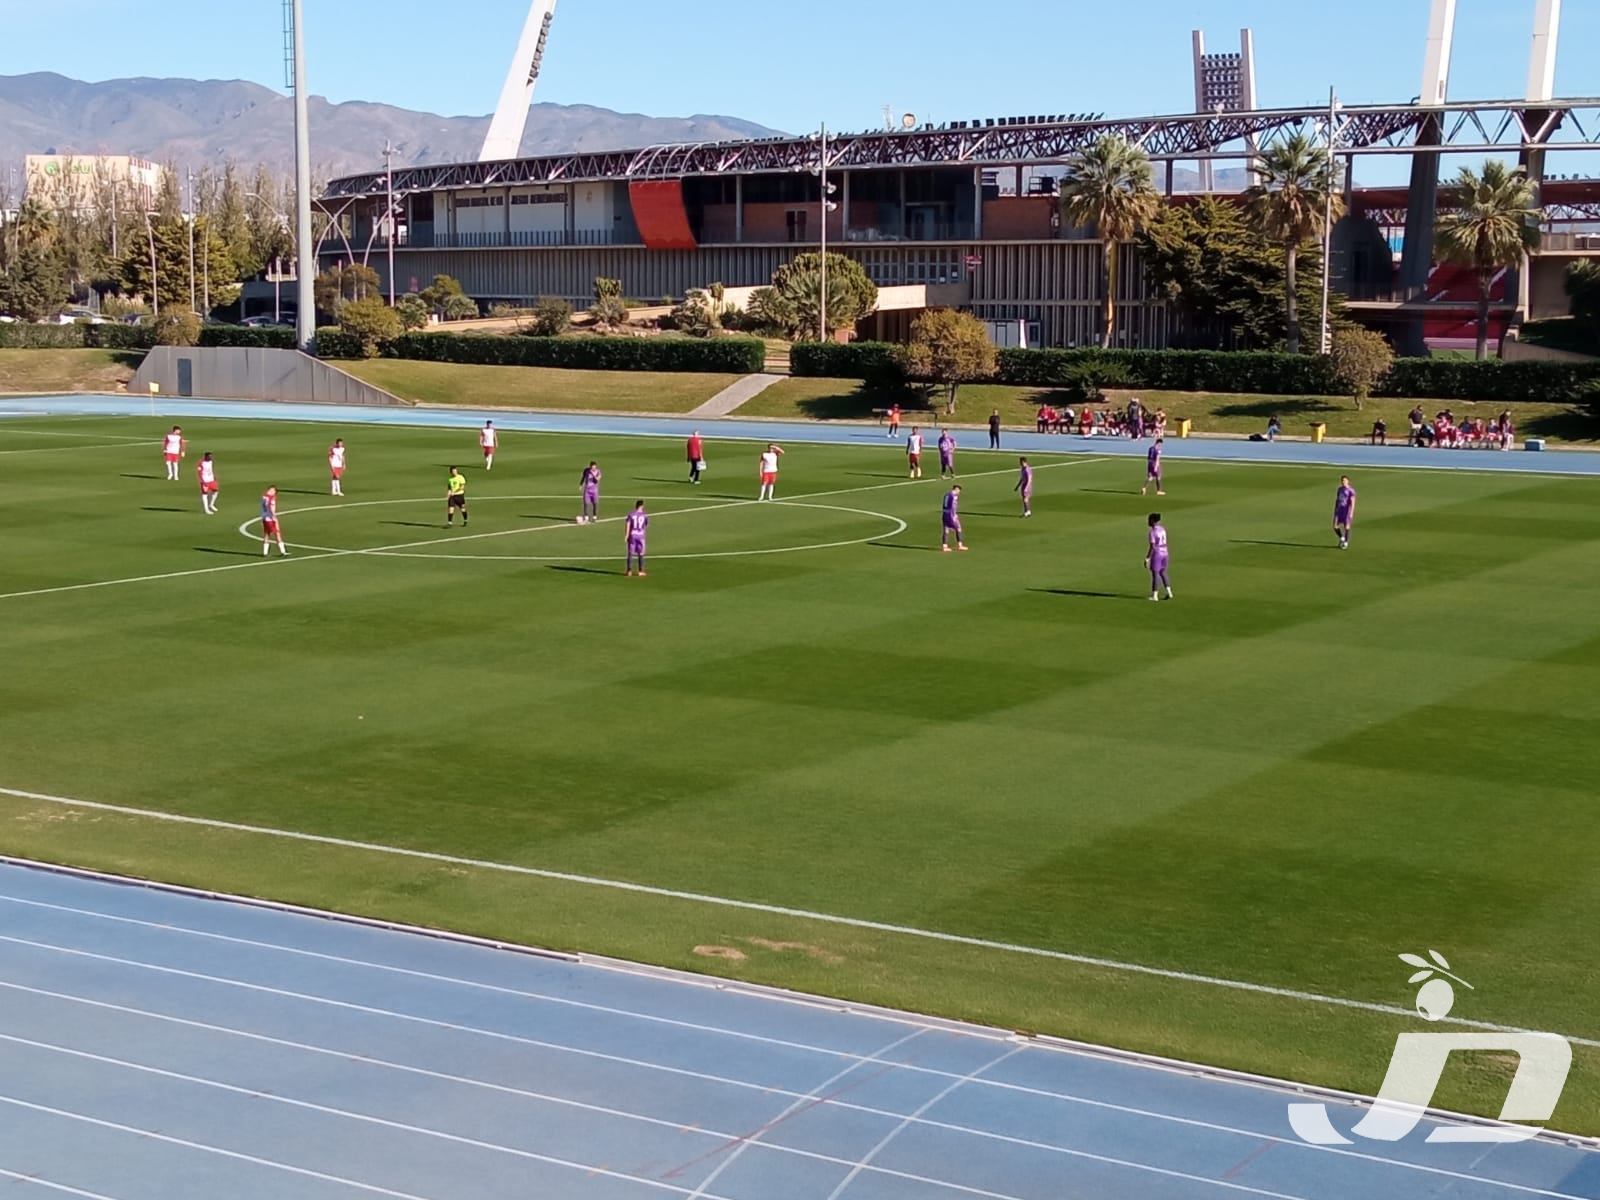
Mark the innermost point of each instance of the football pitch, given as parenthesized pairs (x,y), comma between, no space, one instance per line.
(1307,763)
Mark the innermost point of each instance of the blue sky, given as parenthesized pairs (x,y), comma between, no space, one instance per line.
(792,65)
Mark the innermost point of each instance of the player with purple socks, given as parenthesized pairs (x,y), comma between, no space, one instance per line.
(1156,558)
(947,455)
(1024,486)
(951,520)
(1344,511)
(633,527)
(1152,468)
(589,481)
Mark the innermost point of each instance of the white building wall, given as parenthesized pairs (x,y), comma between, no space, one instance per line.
(539,210)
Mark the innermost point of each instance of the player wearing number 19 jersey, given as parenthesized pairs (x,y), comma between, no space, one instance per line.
(1155,558)
(633,533)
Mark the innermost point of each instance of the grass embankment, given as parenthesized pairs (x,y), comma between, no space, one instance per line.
(846,399)
(36,371)
(540,387)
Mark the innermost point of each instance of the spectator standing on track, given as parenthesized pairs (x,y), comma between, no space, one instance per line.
(994,430)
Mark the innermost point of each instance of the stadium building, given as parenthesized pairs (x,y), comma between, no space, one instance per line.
(963,214)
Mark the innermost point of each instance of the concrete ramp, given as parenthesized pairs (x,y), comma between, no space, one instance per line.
(248,373)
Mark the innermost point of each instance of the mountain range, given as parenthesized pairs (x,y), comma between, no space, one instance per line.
(190,122)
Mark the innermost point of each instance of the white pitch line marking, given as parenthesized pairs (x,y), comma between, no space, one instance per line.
(778,910)
(265,560)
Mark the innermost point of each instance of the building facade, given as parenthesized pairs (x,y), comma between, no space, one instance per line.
(88,183)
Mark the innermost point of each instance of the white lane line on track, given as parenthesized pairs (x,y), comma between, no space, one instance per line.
(942,1126)
(816,1096)
(911,1118)
(236,1155)
(346,1114)
(265,560)
(39,1181)
(778,910)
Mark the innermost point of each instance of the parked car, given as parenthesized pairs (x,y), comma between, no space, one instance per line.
(134,319)
(76,313)
(265,323)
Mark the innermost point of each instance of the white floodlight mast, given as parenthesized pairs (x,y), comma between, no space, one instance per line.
(1436,65)
(504,138)
(1546,33)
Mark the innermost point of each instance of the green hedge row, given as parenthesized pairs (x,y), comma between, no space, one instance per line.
(726,355)
(1229,372)
(21,336)
(333,342)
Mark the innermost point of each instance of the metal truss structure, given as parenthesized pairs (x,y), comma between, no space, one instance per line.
(1485,127)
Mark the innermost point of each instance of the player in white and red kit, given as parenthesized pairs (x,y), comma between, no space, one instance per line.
(269,522)
(336,465)
(769,470)
(489,440)
(172,449)
(206,471)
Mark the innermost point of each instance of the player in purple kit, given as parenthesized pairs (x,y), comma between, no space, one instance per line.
(951,520)
(1152,461)
(947,455)
(1344,511)
(589,481)
(1155,558)
(1024,486)
(633,527)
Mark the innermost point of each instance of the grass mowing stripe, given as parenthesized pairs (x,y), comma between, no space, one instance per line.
(755,906)
(379,550)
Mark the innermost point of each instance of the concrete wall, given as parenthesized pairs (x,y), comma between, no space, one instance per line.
(228,373)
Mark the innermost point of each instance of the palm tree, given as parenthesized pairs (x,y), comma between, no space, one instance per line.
(1493,226)
(1289,205)
(1109,185)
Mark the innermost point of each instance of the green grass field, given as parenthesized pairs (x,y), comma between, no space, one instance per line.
(34,371)
(1306,764)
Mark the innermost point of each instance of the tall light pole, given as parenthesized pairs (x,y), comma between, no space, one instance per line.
(827,207)
(305,253)
(1327,218)
(388,174)
(190,175)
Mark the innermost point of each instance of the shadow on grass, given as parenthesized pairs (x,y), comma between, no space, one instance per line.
(583,570)
(1571,425)
(901,546)
(1286,406)
(1090,595)
(567,520)
(413,524)
(132,359)
(1292,545)
(159,508)
(231,553)
(857,405)
(301,492)
(127,475)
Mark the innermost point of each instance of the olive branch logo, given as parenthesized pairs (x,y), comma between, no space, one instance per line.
(1436,997)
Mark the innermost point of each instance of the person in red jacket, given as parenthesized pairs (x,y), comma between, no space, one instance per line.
(697,457)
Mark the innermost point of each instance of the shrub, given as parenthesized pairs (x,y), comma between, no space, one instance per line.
(1361,359)
(1491,380)
(608,312)
(731,355)
(333,342)
(874,362)
(459,308)
(240,335)
(412,310)
(371,321)
(551,316)
(24,336)
(176,328)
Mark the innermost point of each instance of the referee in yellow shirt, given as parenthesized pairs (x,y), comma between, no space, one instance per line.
(455,497)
